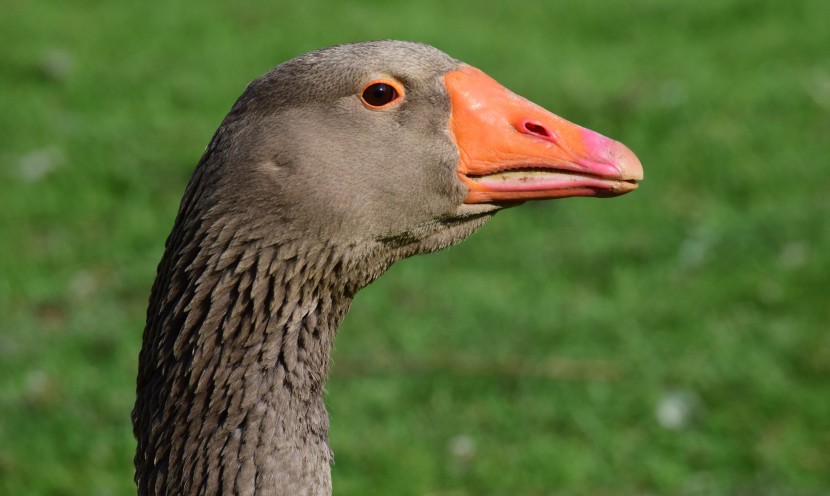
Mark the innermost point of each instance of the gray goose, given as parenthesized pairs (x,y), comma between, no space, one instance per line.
(327,169)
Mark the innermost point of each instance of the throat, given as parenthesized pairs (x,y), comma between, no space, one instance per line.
(232,371)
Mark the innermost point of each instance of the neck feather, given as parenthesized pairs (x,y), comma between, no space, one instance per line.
(233,364)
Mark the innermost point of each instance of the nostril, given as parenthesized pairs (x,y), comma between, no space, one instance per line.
(536,129)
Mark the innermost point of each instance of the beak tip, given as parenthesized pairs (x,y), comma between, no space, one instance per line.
(627,162)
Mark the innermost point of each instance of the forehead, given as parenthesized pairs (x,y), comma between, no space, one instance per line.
(339,68)
(393,56)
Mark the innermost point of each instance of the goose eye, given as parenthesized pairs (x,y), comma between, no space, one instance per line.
(377,95)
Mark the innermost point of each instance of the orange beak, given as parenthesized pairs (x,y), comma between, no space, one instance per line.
(514,150)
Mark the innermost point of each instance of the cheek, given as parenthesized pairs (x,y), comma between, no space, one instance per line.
(451,188)
(446,182)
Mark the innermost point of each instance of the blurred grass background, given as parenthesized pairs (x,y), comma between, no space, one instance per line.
(674,341)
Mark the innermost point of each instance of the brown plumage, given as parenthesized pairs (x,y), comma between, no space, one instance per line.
(307,193)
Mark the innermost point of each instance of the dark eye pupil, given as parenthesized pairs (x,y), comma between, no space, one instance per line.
(379,94)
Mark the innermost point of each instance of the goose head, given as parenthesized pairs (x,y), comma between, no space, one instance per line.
(397,144)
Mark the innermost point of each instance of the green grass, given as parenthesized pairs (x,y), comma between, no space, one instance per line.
(530,359)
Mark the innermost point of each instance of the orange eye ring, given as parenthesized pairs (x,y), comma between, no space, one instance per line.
(381,93)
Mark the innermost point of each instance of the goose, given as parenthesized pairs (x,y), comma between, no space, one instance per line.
(327,170)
